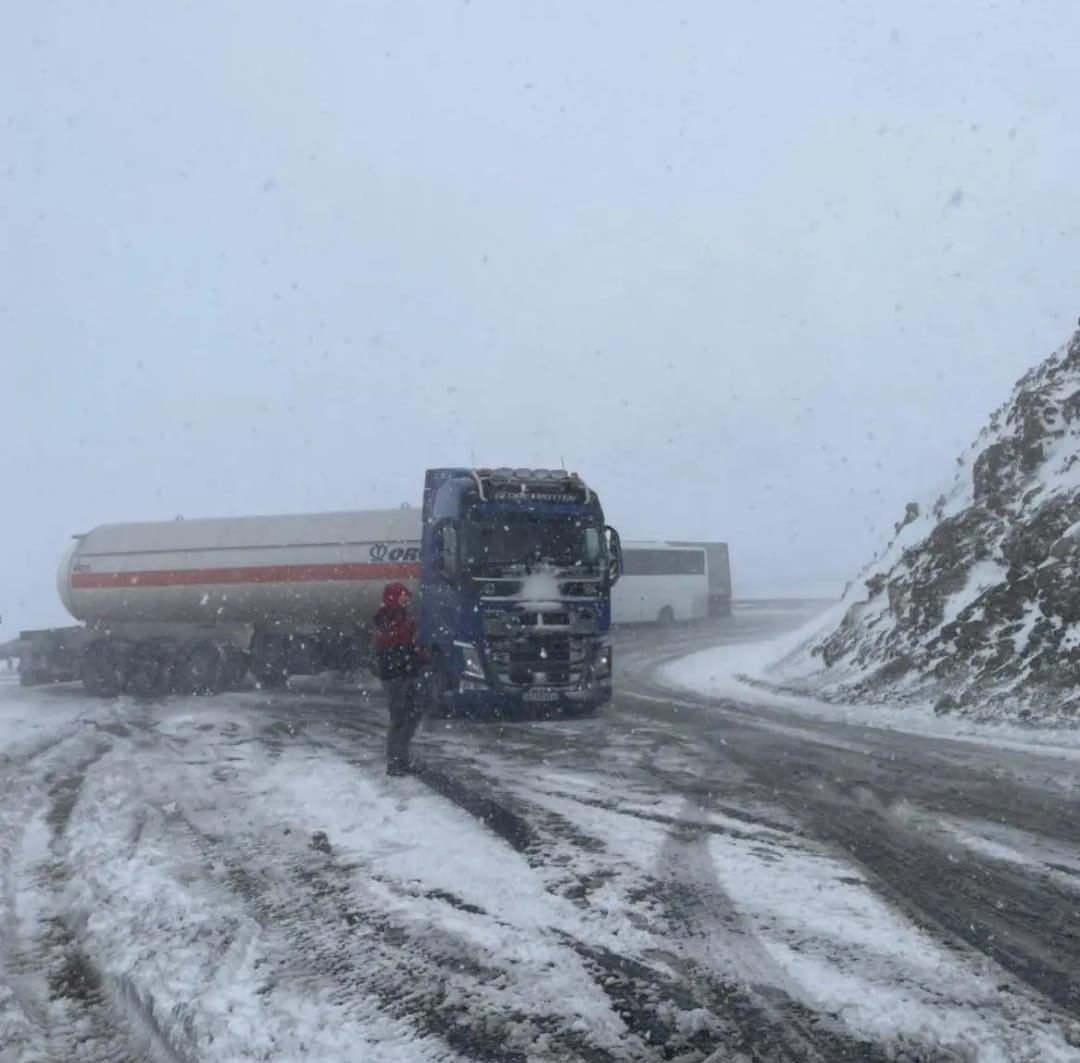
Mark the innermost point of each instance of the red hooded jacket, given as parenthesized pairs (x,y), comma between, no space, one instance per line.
(396,654)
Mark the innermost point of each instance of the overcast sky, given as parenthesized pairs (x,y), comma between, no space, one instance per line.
(758,271)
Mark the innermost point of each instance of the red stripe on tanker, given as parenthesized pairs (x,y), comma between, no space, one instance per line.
(186,577)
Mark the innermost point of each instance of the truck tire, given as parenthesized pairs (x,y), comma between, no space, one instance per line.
(666,615)
(236,668)
(270,675)
(351,654)
(200,668)
(269,658)
(105,667)
(150,672)
(433,684)
(304,654)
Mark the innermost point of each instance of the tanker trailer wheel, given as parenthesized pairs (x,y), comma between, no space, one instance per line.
(303,655)
(236,668)
(269,660)
(150,674)
(666,616)
(200,668)
(105,667)
(350,653)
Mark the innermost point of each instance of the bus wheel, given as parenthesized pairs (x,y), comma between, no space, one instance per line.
(666,615)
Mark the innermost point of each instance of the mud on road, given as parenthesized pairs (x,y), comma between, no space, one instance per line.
(235,878)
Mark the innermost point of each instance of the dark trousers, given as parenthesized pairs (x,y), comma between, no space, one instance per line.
(404,718)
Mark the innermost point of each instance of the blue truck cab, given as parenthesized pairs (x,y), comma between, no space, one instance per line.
(516,571)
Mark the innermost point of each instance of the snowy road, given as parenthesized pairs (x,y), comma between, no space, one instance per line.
(234,879)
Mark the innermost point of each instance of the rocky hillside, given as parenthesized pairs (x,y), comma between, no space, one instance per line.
(975,603)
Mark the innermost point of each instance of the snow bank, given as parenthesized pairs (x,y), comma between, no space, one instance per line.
(769,673)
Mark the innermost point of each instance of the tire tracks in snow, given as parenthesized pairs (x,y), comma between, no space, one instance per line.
(108,1011)
(326,935)
(684,1012)
(1027,926)
(711,936)
(747,989)
(669,991)
(675,998)
(66,1006)
(854,800)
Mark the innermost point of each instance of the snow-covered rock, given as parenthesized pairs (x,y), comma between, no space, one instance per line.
(975,601)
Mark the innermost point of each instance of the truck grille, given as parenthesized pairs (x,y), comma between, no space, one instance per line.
(545,619)
(538,662)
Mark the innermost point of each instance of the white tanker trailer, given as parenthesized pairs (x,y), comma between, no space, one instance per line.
(193,604)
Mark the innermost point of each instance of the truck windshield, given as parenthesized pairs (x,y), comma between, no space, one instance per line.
(494,541)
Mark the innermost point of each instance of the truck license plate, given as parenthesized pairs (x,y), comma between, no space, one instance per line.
(541,695)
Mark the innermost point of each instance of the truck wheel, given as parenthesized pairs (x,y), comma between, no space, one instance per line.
(434,684)
(269,660)
(236,668)
(270,675)
(304,655)
(150,673)
(666,615)
(271,671)
(105,667)
(351,654)
(200,668)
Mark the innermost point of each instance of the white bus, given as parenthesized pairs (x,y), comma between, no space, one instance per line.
(661,583)
(716,555)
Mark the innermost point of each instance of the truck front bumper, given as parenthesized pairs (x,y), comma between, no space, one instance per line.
(475,699)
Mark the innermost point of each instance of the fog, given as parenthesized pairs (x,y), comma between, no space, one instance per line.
(758,272)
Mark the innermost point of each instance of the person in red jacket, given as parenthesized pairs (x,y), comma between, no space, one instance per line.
(398,663)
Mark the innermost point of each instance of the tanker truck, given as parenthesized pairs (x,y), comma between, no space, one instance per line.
(512,571)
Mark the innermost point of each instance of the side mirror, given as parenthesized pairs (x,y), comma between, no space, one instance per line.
(446,552)
(614,551)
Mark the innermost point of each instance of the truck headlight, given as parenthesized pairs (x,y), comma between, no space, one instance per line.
(602,664)
(471,664)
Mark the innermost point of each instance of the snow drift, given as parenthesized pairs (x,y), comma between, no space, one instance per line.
(975,601)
